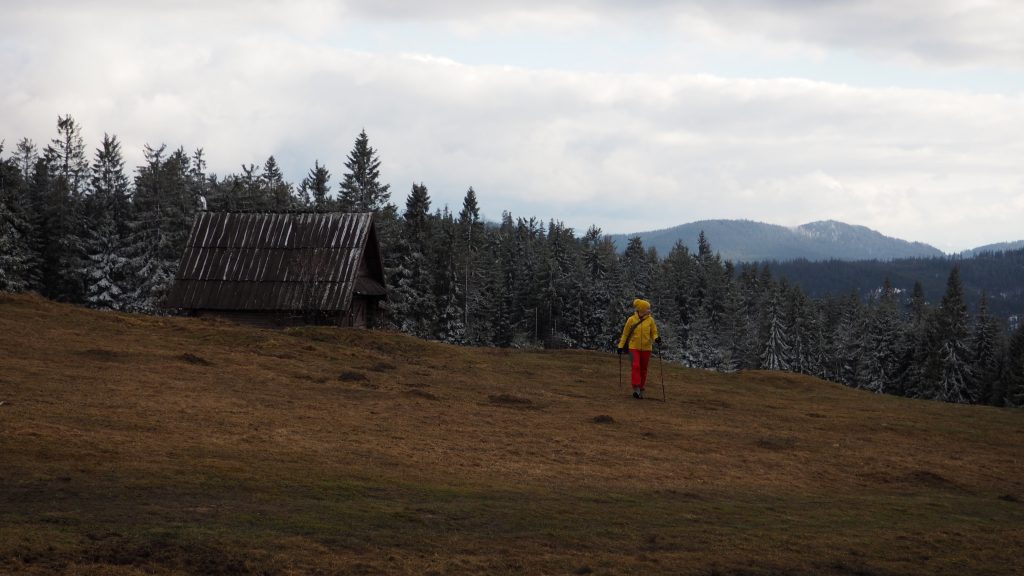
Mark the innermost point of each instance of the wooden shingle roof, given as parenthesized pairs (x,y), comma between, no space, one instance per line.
(277,261)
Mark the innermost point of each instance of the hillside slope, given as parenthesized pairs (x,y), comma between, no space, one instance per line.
(749,241)
(135,445)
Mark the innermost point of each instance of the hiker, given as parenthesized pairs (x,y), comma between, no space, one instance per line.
(639,336)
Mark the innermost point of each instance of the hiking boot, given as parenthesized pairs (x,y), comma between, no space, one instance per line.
(636,393)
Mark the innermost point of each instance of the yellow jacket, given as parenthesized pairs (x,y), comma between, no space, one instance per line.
(644,335)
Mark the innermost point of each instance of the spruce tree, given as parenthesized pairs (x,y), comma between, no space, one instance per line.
(450,325)
(317,185)
(701,349)
(16,258)
(598,260)
(249,193)
(108,279)
(361,189)
(679,272)
(776,351)
(986,348)
(1012,384)
(806,334)
(885,340)
(912,378)
(412,305)
(25,158)
(198,182)
(637,269)
(847,343)
(951,340)
(62,186)
(470,237)
(275,188)
(164,206)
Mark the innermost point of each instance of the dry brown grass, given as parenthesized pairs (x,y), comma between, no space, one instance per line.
(135,445)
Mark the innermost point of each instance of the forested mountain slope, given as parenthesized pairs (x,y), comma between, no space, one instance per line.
(141,445)
(749,241)
(1000,275)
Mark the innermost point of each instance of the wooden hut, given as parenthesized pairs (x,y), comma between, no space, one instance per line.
(281,269)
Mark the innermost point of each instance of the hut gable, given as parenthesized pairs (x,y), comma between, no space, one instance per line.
(325,265)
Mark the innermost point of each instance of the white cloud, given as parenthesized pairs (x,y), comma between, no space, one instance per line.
(940,32)
(627,152)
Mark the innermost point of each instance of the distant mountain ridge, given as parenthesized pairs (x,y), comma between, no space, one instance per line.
(998,247)
(750,241)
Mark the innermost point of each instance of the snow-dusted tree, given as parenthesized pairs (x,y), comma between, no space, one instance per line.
(710,279)
(638,271)
(732,327)
(16,257)
(911,379)
(702,349)
(497,290)
(885,340)
(951,338)
(807,337)
(598,261)
(754,289)
(450,326)
(502,282)
(25,158)
(524,259)
(198,182)
(412,304)
(776,352)
(487,311)
(1012,382)
(163,209)
(847,340)
(678,272)
(560,283)
(107,276)
(470,236)
(987,345)
(62,186)
(106,269)
(361,189)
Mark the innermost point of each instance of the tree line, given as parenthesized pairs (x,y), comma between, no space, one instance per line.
(83,231)
(1000,274)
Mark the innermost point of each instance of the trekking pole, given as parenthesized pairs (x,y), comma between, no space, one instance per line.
(661,367)
(620,368)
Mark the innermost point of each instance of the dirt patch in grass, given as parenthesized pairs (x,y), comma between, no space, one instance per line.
(418,393)
(776,443)
(510,401)
(932,480)
(352,376)
(104,355)
(194,359)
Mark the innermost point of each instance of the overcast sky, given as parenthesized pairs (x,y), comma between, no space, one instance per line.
(904,116)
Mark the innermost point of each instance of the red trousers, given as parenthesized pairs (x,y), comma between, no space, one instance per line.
(641,358)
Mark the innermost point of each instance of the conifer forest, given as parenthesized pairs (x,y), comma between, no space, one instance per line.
(85,229)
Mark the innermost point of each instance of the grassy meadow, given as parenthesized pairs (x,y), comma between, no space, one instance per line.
(135,445)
